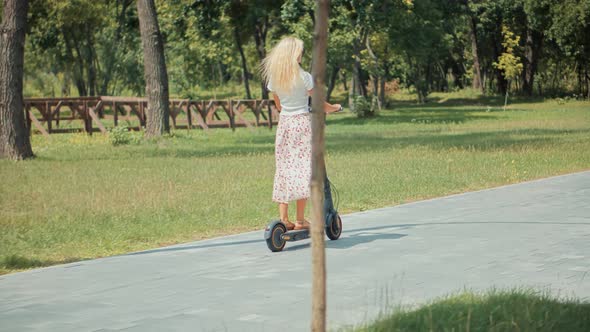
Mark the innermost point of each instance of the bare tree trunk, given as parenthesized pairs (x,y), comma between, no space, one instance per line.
(90,64)
(78,70)
(15,142)
(244,63)
(260,39)
(374,77)
(111,56)
(579,66)
(555,75)
(344,86)
(156,77)
(332,82)
(318,169)
(532,51)
(506,97)
(502,84)
(477,82)
(382,92)
(357,85)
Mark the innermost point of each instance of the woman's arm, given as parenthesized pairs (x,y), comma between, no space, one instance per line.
(329,108)
(277,101)
(332,108)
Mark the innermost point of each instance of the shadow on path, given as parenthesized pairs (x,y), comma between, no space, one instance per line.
(347,241)
(358,236)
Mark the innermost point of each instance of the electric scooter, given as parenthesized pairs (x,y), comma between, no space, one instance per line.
(276,234)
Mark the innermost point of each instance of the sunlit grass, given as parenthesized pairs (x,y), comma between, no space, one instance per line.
(83,198)
(515,310)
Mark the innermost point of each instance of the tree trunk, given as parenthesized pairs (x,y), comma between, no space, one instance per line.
(156,77)
(382,92)
(532,50)
(582,79)
(90,64)
(332,82)
(555,76)
(506,97)
(318,169)
(502,84)
(356,82)
(15,142)
(260,39)
(458,75)
(110,57)
(244,63)
(374,77)
(358,86)
(477,82)
(76,62)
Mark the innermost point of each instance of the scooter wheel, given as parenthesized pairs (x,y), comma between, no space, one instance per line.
(275,242)
(334,230)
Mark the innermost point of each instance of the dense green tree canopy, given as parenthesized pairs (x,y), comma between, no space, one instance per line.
(93,47)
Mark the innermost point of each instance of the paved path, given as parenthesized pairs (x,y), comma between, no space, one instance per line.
(535,234)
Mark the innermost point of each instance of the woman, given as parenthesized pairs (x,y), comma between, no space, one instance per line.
(291,87)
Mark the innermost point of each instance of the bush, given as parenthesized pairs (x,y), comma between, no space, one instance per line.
(121,136)
(364,107)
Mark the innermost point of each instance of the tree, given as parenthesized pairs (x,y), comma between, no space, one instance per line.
(477,83)
(569,29)
(156,76)
(427,45)
(318,169)
(90,44)
(14,136)
(111,56)
(508,62)
(256,18)
(238,20)
(69,38)
(420,35)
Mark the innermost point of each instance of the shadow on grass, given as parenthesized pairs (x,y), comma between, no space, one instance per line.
(341,142)
(481,100)
(511,310)
(17,262)
(480,141)
(376,142)
(418,116)
(371,139)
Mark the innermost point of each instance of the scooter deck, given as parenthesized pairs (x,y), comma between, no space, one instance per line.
(297,235)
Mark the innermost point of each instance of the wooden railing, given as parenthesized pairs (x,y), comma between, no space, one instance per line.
(58,115)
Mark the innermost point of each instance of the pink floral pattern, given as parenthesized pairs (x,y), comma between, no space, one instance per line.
(292,158)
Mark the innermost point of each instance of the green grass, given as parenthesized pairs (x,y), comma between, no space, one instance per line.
(516,310)
(82,198)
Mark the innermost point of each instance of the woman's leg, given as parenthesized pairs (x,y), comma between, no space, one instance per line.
(301,209)
(301,223)
(284,211)
(284,215)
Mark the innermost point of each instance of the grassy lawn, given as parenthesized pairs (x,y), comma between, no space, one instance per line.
(518,310)
(82,198)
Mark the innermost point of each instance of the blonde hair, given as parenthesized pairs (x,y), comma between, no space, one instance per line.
(281,66)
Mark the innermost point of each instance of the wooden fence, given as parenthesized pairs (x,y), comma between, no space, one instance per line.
(58,115)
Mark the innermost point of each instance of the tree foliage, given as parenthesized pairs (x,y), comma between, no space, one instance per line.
(508,62)
(93,47)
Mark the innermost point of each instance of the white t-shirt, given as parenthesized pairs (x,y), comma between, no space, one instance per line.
(295,102)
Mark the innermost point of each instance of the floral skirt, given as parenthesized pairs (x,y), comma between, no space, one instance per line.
(292,158)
